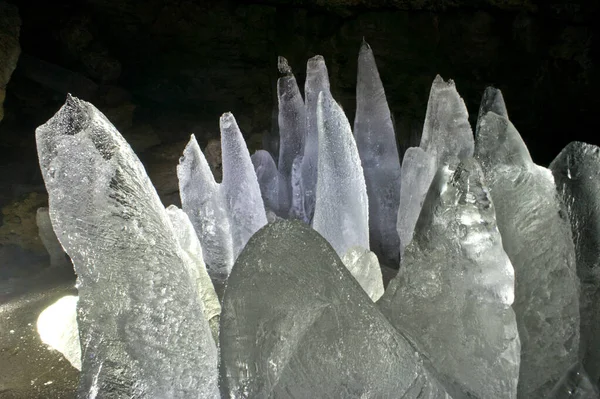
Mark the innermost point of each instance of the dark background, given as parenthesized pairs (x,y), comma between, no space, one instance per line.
(162,69)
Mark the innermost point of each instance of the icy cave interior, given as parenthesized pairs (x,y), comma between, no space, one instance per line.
(348,251)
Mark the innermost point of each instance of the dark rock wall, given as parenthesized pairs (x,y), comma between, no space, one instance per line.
(162,69)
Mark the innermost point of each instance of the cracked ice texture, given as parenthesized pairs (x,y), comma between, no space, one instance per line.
(342,210)
(295,323)
(202,201)
(455,287)
(141,324)
(317,81)
(577,173)
(446,131)
(537,238)
(188,241)
(292,125)
(46,233)
(240,189)
(364,267)
(376,142)
(418,169)
(446,135)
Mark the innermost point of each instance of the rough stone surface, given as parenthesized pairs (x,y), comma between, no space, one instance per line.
(10,49)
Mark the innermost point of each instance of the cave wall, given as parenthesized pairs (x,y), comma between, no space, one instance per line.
(161,70)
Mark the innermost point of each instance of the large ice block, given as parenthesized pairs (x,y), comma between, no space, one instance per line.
(292,124)
(202,201)
(418,170)
(446,131)
(317,81)
(296,324)
(577,173)
(376,142)
(240,189)
(140,316)
(537,238)
(341,210)
(188,241)
(455,288)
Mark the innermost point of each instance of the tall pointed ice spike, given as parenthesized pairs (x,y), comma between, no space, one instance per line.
(446,132)
(240,188)
(135,291)
(202,201)
(537,238)
(577,173)
(492,101)
(272,188)
(418,170)
(376,142)
(341,212)
(292,126)
(317,80)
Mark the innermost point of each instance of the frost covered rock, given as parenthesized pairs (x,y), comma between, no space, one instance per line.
(376,142)
(342,210)
(455,287)
(446,131)
(58,257)
(296,324)
(364,267)
(537,238)
(418,170)
(189,243)
(317,81)
(577,173)
(140,316)
(240,189)
(202,201)
(57,327)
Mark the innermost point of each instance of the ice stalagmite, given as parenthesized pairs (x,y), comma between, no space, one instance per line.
(142,327)
(446,131)
(418,169)
(317,81)
(455,288)
(188,241)
(376,142)
(577,174)
(446,135)
(492,101)
(342,210)
(537,238)
(270,182)
(202,201)
(292,127)
(295,324)
(58,258)
(240,188)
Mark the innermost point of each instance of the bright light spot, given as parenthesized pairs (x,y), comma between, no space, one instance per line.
(48,383)
(57,327)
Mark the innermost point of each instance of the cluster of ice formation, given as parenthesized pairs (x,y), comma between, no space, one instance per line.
(497,290)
